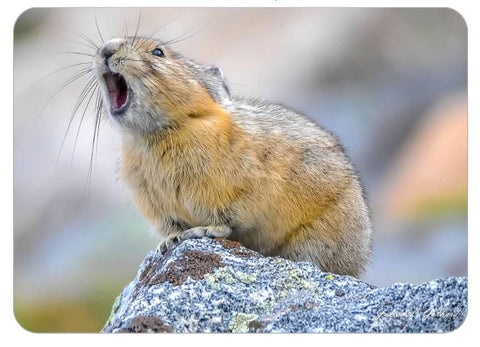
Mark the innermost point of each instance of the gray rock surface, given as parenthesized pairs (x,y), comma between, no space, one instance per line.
(217,285)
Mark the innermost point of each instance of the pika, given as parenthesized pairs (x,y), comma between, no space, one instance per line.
(201,162)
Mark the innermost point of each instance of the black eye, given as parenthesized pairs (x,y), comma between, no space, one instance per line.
(158,52)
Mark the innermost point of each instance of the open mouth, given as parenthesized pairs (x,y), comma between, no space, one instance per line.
(118,93)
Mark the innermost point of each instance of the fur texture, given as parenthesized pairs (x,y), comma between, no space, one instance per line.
(249,170)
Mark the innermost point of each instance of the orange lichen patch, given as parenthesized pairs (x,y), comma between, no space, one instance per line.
(431,171)
(235,247)
(194,264)
(227,243)
(243,253)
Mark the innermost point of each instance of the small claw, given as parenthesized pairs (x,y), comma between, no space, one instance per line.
(161,248)
(169,243)
(194,233)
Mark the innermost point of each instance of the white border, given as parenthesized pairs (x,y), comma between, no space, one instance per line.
(18,336)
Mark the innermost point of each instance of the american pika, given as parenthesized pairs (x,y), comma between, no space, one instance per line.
(201,162)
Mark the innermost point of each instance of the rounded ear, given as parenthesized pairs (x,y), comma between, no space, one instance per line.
(216,84)
(214,70)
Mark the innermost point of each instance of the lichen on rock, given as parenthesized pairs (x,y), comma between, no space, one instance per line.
(217,285)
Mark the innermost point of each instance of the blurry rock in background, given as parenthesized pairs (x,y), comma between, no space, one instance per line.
(422,203)
(429,174)
(391,83)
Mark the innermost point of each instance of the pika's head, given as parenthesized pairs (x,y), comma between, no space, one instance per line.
(148,87)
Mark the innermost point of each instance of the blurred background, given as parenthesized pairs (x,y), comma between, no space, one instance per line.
(391,83)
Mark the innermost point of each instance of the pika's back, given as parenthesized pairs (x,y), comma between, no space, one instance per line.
(283,130)
(267,118)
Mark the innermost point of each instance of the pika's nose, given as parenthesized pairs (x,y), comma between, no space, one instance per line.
(108,50)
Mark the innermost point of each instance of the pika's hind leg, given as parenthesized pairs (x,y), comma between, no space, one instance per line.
(346,252)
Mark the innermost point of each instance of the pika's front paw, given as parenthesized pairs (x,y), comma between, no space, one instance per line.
(170,242)
(210,231)
(174,239)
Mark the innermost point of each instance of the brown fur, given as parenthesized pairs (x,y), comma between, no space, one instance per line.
(203,164)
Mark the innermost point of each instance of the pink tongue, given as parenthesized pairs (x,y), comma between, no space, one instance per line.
(118,94)
(120,99)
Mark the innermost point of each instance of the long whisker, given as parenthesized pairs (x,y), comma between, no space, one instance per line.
(90,84)
(86,39)
(125,30)
(80,74)
(94,48)
(73,52)
(95,86)
(90,93)
(94,140)
(98,31)
(137,28)
(79,102)
(182,37)
(172,40)
(89,40)
(60,69)
(98,114)
(163,26)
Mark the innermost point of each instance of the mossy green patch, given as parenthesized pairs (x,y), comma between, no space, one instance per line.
(211,280)
(240,321)
(245,277)
(297,279)
(228,276)
(219,275)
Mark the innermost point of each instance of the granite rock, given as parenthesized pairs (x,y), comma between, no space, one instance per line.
(217,285)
